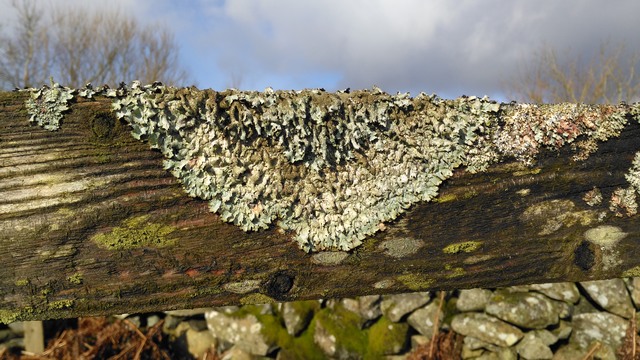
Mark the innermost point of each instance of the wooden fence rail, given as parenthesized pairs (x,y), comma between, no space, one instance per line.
(91,223)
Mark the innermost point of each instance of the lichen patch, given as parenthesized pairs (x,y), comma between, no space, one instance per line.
(329,258)
(550,216)
(135,233)
(605,235)
(465,246)
(401,247)
(242,287)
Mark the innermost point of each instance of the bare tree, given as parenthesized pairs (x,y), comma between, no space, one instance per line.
(76,46)
(607,77)
(25,57)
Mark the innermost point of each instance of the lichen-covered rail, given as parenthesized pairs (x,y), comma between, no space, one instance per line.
(385,193)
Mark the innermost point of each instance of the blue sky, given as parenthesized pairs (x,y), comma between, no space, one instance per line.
(445,47)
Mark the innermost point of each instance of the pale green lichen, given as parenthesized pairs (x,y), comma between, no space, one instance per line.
(465,246)
(242,287)
(552,215)
(593,197)
(329,258)
(401,247)
(605,235)
(310,160)
(47,105)
(135,233)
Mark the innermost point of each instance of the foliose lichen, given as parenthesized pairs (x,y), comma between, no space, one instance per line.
(330,167)
(47,104)
(333,167)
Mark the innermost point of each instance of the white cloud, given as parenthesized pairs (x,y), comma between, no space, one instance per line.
(448,47)
(452,47)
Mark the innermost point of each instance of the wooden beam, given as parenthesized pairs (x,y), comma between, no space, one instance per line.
(91,224)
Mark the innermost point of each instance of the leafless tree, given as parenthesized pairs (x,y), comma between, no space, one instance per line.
(77,46)
(607,77)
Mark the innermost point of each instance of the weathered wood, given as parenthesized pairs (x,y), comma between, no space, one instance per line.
(65,194)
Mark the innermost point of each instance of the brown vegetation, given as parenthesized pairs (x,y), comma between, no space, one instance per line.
(606,77)
(76,46)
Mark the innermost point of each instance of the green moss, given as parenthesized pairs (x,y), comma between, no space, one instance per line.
(22,282)
(345,326)
(75,278)
(301,347)
(135,233)
(466,246)
(386,338)
(415,282)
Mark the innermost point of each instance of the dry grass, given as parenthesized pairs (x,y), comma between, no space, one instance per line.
(629,349)
(101,338)
(443,345)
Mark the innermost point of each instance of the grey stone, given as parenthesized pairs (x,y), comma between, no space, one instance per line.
(565,291)
(199,342)
(573,351)
(506,354)
(473,299)
(562,330)
(238,353)
(486,328)
(397,306)
(197,324)
(475,344)
(17,327)
(488,355)
(170,323)
(529,310)
(152,320)
(419,340)
(423,319)
(532,347)
(611,295)
(297,315)
(634,289)
(547,337)
(483,349)
(244,332)
(584,306)
(604,327)
(469,353)
(500,354)
(368,307)
(6,334)
(326,341)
